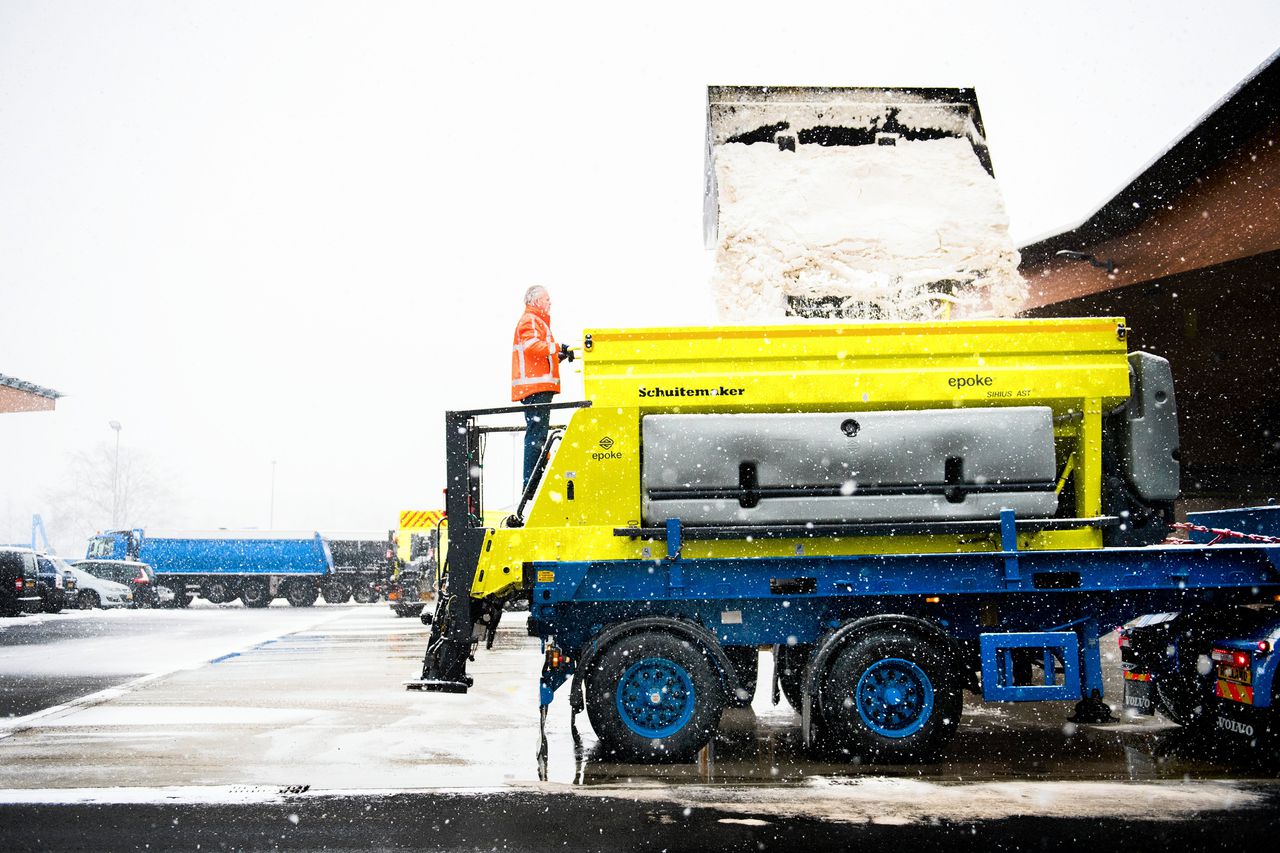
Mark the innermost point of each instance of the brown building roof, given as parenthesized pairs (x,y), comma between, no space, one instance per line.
(1212,197)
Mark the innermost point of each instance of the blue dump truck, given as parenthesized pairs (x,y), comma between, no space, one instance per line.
(223,565)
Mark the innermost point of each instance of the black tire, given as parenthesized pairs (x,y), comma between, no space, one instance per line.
(89,599)
(300,593)
(182,598)
(746,662)
(218,590)
(50,606)
(689,697)
(891,697)
(255,593)
(364,593)
(791,664)
(336,592)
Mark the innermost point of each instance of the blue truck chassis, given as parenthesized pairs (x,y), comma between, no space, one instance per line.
(873,650)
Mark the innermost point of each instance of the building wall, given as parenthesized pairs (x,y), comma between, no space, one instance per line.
(13,400)
(1220,329)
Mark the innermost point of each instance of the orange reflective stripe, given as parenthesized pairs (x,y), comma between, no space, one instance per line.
(1234,692)
(420,518)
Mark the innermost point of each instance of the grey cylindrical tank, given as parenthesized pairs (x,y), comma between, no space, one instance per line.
(850,467)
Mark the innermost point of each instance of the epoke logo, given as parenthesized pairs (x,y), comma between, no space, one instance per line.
(606,443)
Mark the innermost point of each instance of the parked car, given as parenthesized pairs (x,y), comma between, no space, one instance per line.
(52,584)
(134,575)
(92,591)
(19,581)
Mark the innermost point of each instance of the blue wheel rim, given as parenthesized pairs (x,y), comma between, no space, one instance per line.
(894,698)
(655,697)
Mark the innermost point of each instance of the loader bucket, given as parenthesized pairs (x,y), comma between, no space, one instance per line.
(854,203)
(832,115)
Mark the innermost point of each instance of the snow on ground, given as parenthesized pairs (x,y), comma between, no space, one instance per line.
(868,800)
(885,800)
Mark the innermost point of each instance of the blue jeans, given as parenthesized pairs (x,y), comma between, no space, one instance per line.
(536,422)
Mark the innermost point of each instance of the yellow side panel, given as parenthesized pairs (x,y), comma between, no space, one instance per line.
(812,367)
(600,456)
(1078,367)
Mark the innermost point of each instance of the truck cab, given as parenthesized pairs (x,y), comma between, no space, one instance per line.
(1243,704)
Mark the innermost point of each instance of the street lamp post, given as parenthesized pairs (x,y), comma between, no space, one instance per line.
(271,522)
(115,478)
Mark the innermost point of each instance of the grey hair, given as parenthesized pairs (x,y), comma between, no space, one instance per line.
(531,295)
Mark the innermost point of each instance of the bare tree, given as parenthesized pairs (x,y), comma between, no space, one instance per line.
(83,504)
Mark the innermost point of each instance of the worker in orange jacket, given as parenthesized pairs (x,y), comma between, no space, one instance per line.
(535,370)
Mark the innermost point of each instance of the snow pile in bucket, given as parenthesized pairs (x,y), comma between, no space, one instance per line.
(911,231)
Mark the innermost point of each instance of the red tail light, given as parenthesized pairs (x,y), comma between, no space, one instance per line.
(17,583)
(1231,657)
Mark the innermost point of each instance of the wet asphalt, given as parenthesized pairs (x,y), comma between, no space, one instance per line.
(549,822)
(294,700)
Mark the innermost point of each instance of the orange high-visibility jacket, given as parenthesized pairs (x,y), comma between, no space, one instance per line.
(535,365)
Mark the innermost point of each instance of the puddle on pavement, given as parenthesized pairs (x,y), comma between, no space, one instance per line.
(766,748)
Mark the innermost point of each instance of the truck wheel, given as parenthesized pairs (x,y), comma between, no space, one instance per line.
(255,593)
(364,593)
(301,593)
(182,598)
(653,697)
(89,599)
(50,606)
(335,592)
(218,591)
(891,697)
(791,665)
(746,662)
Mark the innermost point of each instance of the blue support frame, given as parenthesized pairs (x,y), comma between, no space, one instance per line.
(1009,545)
(998,683)
(754,601)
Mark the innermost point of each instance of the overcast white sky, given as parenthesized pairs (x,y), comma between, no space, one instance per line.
(298,231)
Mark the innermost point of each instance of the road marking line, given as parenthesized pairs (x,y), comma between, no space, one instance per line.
(10,727)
